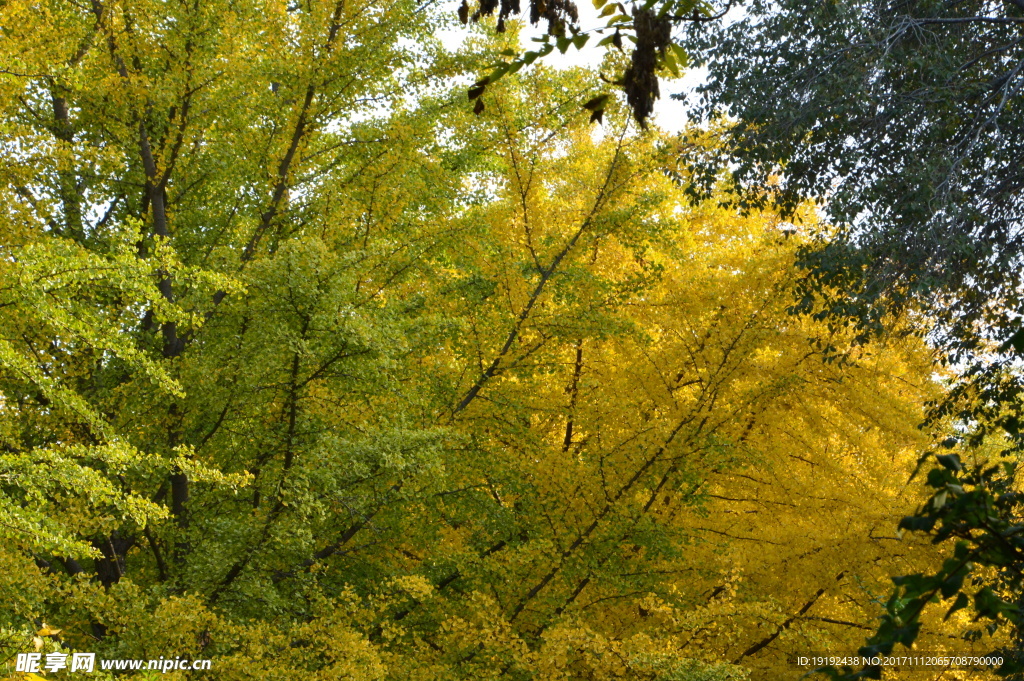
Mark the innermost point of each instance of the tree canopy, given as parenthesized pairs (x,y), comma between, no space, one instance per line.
(902,120)
(308,369)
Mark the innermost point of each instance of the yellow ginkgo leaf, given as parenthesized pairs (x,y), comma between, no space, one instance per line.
(37,642)
(47,630)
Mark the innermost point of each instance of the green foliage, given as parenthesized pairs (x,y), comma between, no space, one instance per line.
(979,509)
(310,371)
(902,119)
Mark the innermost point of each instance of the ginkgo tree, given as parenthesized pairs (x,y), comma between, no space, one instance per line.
(310,371)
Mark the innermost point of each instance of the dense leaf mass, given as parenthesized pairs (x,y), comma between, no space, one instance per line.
(308,370)
(905,119)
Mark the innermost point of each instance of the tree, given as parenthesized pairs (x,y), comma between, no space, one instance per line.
(158,152)
(316,389)
(904,117)
(903,120)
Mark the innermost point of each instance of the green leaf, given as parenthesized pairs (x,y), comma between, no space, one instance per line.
(917,524)
(681,55)
(497,73)
(669,62)
(1016,341)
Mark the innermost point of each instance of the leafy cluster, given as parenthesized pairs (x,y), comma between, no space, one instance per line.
(647,25)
